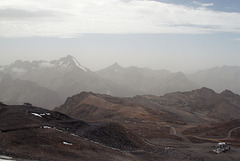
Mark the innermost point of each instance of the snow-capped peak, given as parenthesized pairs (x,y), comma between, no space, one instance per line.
(20,68)
(69,61)
(78,64)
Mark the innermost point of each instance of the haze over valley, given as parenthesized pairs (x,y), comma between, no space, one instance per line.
(48,84)
(120,80)
(128,113)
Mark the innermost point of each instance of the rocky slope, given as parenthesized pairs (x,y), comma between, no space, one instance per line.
(218,78)
(204,103)
(178,121)
(197,106)
(170,127)
(167,116)
(39,134)
(15,91)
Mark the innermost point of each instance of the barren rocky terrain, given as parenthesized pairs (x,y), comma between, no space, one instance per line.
(180,126)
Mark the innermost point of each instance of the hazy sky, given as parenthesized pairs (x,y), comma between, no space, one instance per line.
(178,35)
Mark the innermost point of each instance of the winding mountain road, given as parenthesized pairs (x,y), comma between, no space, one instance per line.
(228,136)
(174,132)
(229,133)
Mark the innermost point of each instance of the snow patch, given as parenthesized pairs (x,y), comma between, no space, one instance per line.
(45,65)
(4,158)
(66,143)
(74,135)
(47,127)
(78,65)
(36,114)
(19,70)
(41,114)
(61,63)
(57,129)
(54,128)
(66,65)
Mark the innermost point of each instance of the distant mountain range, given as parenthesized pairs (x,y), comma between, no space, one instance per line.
(218,78)
(147,81)
(66,77)
(16,91)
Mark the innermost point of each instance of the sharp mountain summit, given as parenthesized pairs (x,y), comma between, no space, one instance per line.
(37,81)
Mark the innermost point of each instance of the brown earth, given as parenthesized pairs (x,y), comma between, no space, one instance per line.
(168,116)
(24,134)
(198,116)
(182,126)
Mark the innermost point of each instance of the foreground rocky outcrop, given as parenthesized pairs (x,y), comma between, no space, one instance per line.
(180,108)
(39,134)
(178,116)
(181,126)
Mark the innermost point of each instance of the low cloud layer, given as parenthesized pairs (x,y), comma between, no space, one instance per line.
(53,18)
